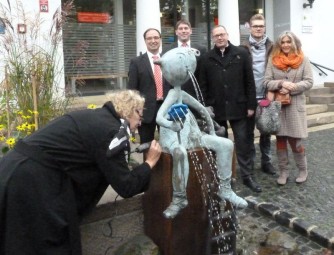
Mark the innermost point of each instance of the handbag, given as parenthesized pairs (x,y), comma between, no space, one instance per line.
(268,116)
(285,99)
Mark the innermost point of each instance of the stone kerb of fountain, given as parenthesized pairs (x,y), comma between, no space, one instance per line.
(202,223)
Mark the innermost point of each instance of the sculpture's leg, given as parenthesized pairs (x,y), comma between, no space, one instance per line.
(180,179)
(224,152)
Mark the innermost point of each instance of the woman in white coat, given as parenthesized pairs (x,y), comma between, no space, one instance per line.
(289,71)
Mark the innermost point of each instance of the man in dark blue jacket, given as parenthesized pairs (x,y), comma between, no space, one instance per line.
(227,84)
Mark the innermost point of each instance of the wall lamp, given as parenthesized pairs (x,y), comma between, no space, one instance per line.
(310,3)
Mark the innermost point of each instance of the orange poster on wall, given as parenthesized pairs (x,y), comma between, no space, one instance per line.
(93,17)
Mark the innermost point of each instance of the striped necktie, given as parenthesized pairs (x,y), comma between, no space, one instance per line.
(158,79)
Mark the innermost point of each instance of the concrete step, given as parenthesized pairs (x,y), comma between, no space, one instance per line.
(322,99)
(319,91)
(329,84)
(316,108)
(320,119)
(83,102)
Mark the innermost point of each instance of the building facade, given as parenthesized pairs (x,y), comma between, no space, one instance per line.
(101,36)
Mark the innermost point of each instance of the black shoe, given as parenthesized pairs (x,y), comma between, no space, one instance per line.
(252,184)
(268,169)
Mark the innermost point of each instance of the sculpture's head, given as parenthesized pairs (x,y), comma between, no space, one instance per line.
(176,63)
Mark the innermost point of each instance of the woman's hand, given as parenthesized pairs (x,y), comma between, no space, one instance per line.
(290,86)
(153,154)
(284,91)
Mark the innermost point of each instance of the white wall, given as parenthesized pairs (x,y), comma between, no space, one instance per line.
(31,9)
(318,43)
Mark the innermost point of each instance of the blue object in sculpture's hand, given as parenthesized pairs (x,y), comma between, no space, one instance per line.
(177,112)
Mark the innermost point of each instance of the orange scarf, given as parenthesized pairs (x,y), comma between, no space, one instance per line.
(283,62)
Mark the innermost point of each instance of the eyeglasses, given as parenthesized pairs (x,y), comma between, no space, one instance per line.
(220,35)
(258,26)
(140,115)
(152,38)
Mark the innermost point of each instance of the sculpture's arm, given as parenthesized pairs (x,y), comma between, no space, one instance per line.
(192,102)
(162,113)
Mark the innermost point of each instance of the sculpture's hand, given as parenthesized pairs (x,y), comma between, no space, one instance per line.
(210,111)
(176,126)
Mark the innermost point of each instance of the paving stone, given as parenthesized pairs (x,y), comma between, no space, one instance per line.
(311,203)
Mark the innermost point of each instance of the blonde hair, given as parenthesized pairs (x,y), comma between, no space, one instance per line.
(296,45)
(126,102)
(257,17)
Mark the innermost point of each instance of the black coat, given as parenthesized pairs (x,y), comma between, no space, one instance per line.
(141,78)
(188,86)
(227,83)
(42,196)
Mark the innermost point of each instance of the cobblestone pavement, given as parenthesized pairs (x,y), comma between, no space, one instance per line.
(305,212)
(113,224)
(307,208)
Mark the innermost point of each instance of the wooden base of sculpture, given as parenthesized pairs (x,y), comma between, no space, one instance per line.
(190,232)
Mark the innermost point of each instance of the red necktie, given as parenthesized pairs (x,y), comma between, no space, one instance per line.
(158,79)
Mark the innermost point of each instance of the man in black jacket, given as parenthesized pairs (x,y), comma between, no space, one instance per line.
(227,84)
(142,78)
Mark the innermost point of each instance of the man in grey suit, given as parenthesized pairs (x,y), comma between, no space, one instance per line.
(183,32)
(142,78)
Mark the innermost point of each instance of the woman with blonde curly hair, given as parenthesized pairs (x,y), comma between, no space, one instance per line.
(289,71)
(54,176)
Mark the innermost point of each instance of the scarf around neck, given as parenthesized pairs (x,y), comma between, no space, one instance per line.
(258,44)
(292,60)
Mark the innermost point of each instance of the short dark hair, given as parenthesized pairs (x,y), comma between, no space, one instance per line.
(182,21)
(149,29)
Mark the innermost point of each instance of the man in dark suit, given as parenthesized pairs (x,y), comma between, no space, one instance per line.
(183,32)
(142,77)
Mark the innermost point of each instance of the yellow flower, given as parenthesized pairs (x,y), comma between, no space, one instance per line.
(11,142)
(2,138)
(2,126)
(33,112)
(26,116)
(91,106)
(20,128)
(25,126)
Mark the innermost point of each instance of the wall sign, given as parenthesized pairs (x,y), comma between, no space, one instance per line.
(44,5)
(94,17)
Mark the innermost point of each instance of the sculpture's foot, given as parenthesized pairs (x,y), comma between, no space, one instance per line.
(175,207)
(229,195)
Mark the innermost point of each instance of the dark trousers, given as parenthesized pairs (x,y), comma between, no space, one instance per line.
(242,144)
(146,130)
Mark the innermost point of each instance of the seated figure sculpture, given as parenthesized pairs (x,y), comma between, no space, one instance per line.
(179,131)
